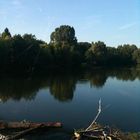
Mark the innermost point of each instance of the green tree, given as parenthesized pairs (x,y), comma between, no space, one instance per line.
(97,53)
(136,56)
(113,57)
(18,47)
(63,36)
(63,47)
(126,53)
(6,34)
(5,49)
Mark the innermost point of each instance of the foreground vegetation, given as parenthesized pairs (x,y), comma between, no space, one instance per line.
(26,53)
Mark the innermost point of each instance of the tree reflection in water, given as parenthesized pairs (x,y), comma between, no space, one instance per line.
(97,78)
(61,86)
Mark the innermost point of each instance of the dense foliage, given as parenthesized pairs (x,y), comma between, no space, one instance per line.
(25,53)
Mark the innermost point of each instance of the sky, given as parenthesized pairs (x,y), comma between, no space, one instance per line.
(113,21)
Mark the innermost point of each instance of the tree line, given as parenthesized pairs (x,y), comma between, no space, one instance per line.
(26,52)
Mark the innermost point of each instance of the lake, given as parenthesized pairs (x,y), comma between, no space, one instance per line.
(72,98)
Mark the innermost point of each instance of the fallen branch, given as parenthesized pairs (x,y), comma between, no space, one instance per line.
(27,125)
(96,117)
(22,133)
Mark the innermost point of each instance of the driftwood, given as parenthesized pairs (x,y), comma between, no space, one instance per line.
(96,117)
(96,131)
(27,125)
(101,133)
(22,133)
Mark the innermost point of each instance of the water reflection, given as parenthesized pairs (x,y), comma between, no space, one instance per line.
(17,89)
(61,86)
(124,74)
(97,78)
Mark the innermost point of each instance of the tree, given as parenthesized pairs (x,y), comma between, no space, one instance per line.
(5,48)
(18,47)
(29,37)
(97,53)
(126,53)
(113,57)
(63,44)
(6,34)
(18,41)
(136,56)
(81,48)
(63,35)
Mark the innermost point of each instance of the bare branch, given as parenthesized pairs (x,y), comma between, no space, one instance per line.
(96,117)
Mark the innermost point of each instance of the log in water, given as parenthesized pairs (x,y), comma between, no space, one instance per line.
(26,125)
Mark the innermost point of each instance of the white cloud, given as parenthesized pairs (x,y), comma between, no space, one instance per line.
(127,26)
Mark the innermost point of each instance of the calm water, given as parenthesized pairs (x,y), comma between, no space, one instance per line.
(73,98)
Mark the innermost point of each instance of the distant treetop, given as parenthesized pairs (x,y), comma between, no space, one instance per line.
(65,34)
(6,34)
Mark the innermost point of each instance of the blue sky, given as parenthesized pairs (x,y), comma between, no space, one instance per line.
(112,21)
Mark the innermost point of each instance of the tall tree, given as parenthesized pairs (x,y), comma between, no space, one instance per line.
(63,36)
(6,34)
